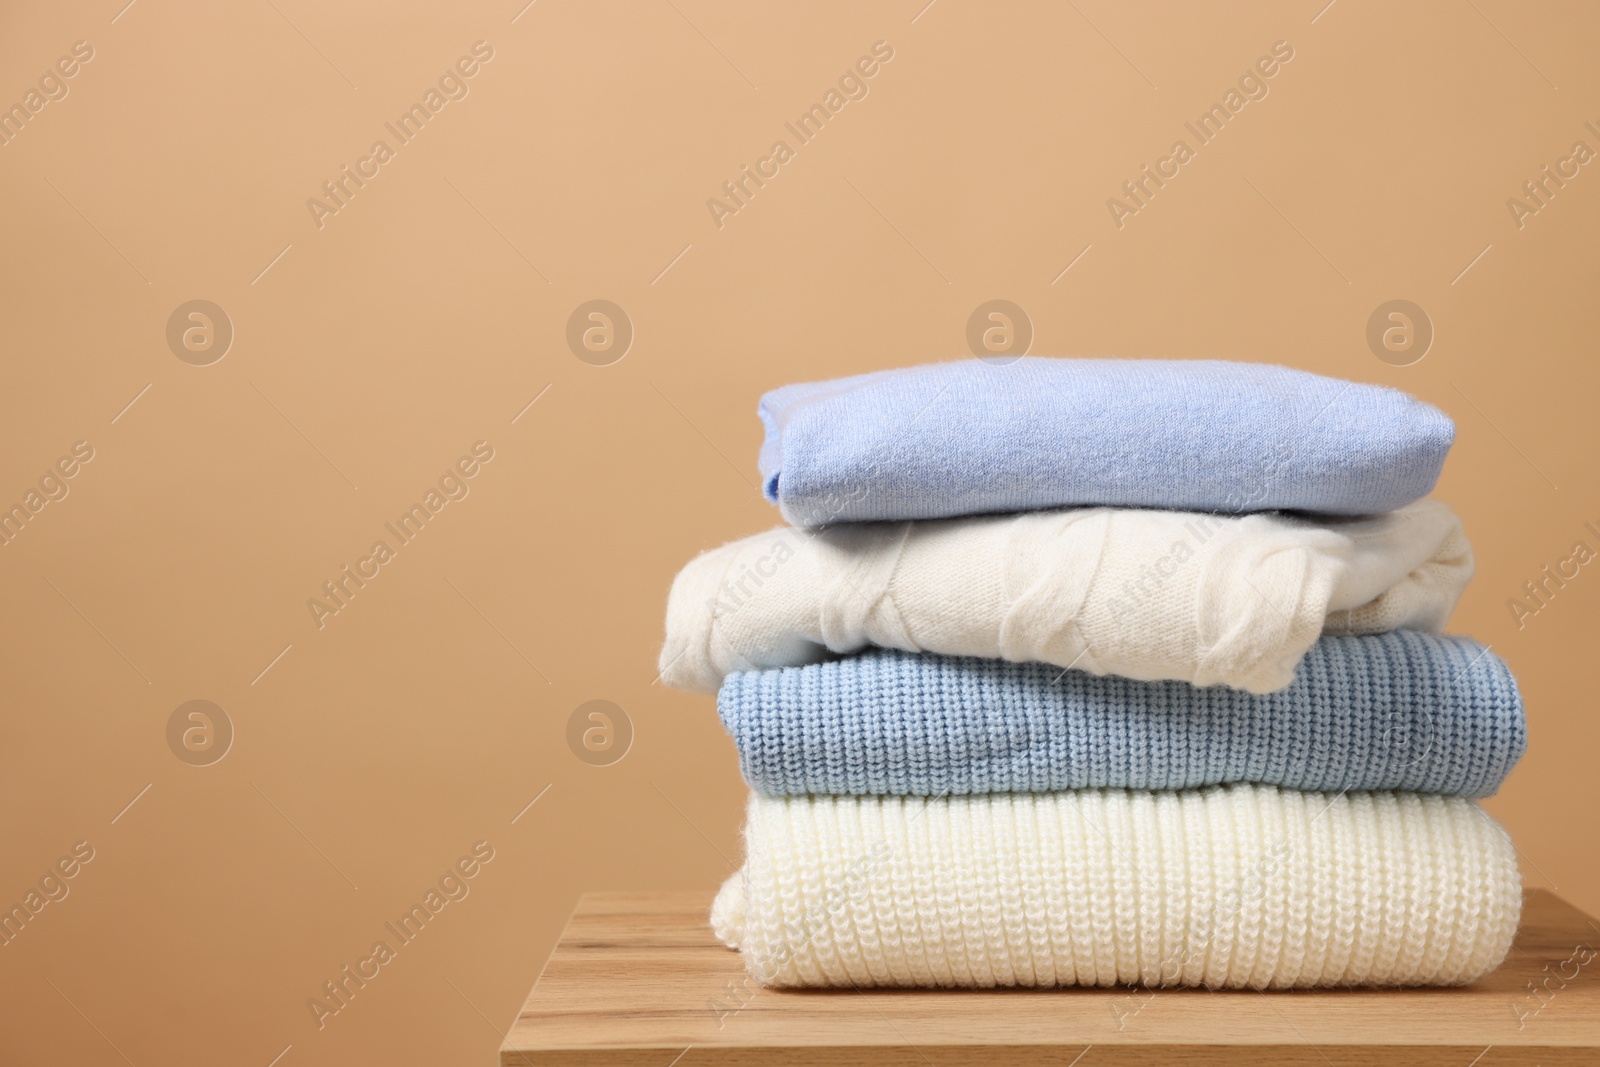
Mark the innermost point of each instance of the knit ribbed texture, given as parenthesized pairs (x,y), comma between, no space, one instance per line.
(1401,710)
(978,436)
(1152,595)
(1230,886)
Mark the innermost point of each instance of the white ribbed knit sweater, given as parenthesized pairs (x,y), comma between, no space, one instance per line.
(1231,886)
(1205,599)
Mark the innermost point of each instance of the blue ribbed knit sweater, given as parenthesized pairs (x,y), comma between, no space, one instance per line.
(1400,710)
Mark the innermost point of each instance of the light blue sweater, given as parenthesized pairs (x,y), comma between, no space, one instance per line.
(972,436)
(1400,710)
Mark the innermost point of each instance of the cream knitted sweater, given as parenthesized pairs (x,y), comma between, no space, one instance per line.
(1229,886)
(1201,598)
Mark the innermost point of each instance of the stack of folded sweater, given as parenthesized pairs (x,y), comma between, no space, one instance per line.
(1104,671)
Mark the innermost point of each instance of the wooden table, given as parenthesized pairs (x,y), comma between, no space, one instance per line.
(637,979)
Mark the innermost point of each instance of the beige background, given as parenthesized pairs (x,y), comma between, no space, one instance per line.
(425,315)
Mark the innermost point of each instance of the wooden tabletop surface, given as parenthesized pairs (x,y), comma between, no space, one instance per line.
(638,979)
